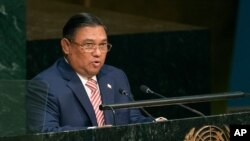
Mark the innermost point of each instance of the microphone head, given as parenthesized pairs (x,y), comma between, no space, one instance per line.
(144,89)
(122,91)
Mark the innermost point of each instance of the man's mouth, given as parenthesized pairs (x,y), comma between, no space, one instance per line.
(96,63)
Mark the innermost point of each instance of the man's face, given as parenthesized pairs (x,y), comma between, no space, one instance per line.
(87,64)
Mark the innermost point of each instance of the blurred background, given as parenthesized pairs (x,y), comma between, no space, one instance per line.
(194,47)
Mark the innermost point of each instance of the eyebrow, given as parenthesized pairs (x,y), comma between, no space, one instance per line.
(91,40)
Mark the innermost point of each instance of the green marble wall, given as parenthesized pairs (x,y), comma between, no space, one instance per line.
(12,66)
(12,39)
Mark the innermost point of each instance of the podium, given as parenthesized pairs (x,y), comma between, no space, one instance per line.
(188,129)
(210,127)
(13,127)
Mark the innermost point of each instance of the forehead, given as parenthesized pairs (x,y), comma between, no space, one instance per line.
(91,33)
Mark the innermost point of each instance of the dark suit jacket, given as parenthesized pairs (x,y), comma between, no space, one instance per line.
(57,100)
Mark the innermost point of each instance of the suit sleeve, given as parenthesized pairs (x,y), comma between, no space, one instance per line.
(42,110)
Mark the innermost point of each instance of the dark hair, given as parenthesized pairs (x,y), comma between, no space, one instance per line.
(80,20)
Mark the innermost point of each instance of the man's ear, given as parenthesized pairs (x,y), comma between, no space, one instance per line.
(65,44)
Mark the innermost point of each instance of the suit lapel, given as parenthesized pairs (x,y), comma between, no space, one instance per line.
(106,86)
(106,89)
(83,98)
(74,83)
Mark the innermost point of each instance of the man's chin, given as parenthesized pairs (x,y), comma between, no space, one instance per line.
(94,72)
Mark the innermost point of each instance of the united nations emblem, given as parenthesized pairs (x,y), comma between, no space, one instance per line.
(208,133)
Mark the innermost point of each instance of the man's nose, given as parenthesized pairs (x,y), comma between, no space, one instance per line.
(97,51)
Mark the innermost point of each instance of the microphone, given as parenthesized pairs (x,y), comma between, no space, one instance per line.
(147,90)
(124,92)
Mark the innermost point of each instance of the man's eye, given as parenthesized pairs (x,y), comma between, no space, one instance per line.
(103,45)
(88,45)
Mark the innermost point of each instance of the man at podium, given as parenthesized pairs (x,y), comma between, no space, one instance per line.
(76,84)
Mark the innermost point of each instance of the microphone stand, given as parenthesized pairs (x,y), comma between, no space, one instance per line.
(113,114)
(173,100)
(183,106)
(147,90)
(123,92)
